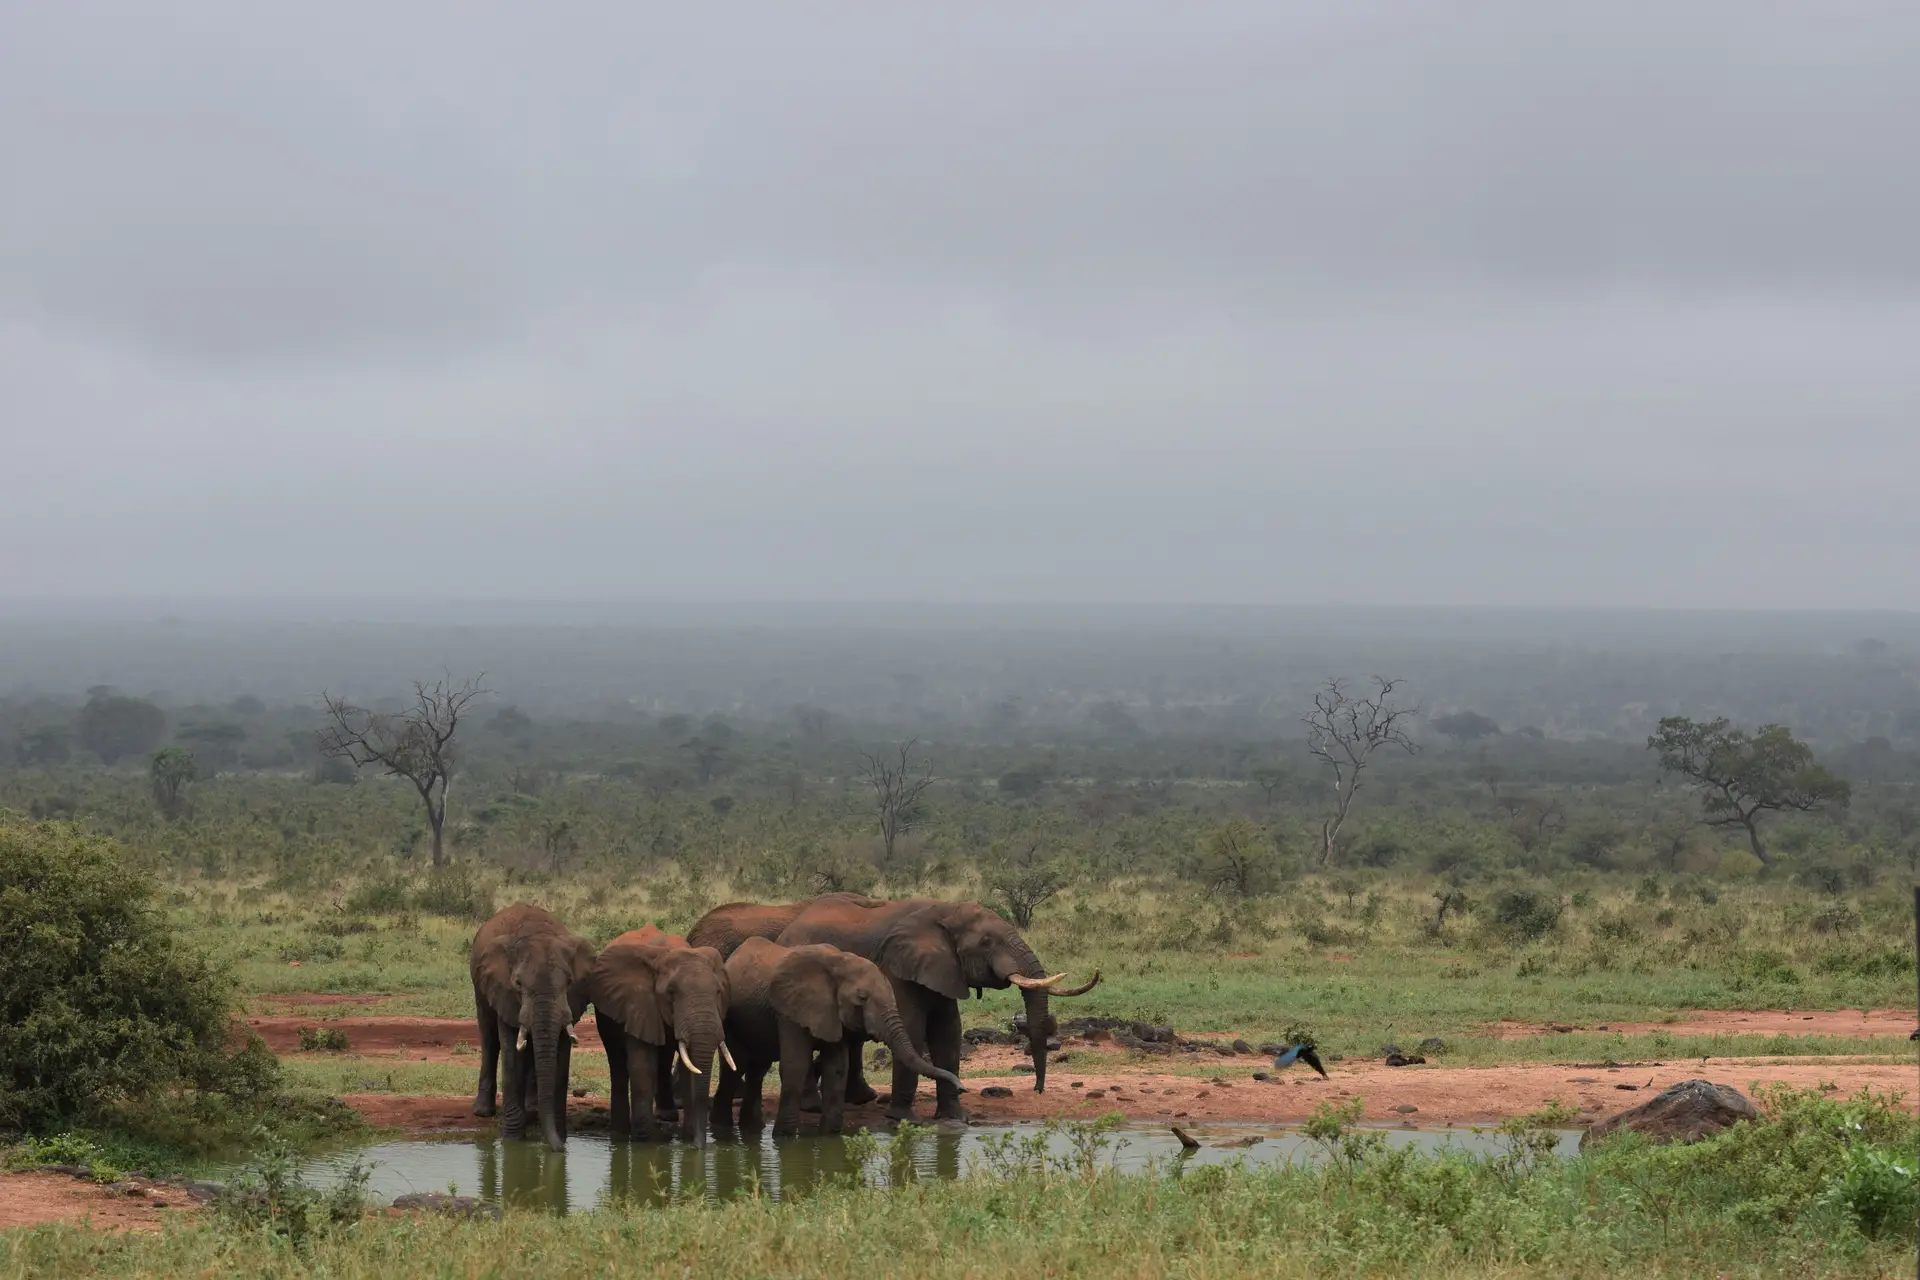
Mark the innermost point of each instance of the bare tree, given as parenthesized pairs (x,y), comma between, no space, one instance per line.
(415,744)
(896,793)
(1345,730)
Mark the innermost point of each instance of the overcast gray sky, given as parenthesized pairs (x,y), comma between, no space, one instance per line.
(1471,303)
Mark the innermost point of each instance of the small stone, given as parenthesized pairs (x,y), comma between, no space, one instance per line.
(1433,1044)
(1077,1085)
(1179,1115)
(1261,1075)
(1204,1093)
(202,1192)
(1096,1093)
(1053,1044)
(996,1091)
(579,1093)
(1241,1046)
(1406,1108)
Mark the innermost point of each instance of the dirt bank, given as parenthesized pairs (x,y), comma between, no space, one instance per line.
(1856,1024)
(28,1199)
(415,1039)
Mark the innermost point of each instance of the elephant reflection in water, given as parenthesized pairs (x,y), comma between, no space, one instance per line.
(522,1175)
(661,1174)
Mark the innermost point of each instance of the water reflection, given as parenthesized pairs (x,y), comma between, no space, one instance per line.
(595,1172)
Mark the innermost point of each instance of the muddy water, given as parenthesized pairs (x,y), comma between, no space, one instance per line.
(594,1171)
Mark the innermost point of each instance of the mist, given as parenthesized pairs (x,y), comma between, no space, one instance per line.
(1258,303)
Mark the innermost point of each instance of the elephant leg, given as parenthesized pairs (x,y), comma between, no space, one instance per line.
(857,1090)
(796,1056)
(483,1097)
(810,1089)
(906,1081)
(666,1096)
(943,1049)
(619,1104)
(513,1088)
(726,1092)
(753,1081)
(643,1068)
(833,1084)
(531,1080)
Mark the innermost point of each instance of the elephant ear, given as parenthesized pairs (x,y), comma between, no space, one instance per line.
(624,984)
(918,949)
(804,989)
(580,988)
(493,979)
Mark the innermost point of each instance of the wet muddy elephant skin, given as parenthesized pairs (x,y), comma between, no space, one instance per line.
(529,988)
(935,952)
(790,1003)
(660,1004)
(727,926)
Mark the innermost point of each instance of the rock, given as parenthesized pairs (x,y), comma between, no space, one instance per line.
(1224,1050)
(204,1192)
(1053,1044)
(1096,1093)
(1098,1036)
(985,1035)
(1685,1112)
(1077,1084)
(1152,1034)
(441,1202)
(1261,1075)
(1272,1050)
(1404,1060)
(1433,1044)
(1581,1080)
(996,1091)
(1389,1050)
(1241,1046)
(579,1093)
(1406,1108)
(71,1170)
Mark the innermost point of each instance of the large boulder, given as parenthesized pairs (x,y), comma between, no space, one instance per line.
(1685,1112)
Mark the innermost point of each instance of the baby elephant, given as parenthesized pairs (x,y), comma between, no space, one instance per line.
(788,1002)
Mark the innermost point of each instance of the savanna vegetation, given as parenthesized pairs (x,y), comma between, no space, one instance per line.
(1519,832)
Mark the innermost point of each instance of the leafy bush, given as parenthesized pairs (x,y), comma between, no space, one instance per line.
(1518,915)
(385,896)
(101,1002)
(327,1039)
(269,1195)
(454,891)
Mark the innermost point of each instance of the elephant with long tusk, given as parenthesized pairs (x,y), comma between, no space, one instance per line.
(529,988)
(660,1004)
(934,952)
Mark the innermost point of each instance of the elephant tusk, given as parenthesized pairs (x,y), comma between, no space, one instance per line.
(685,1061)
(573,1035)
(728,1058)
(521,1042)
(1080,991)
(1036,984)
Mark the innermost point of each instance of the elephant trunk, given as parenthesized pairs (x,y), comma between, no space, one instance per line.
(891,1031)
(549,1025)
(699,1042)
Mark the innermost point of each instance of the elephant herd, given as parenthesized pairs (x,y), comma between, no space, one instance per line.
(801,985)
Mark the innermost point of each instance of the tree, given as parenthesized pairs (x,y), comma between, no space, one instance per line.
(1345,731)
(1741,776)
(114,726)
(43,746)
(217,745)
(896,792)
(1023,882)
(416,744)
(1270,779)
(171,770)
(1241,860)
(1466,726)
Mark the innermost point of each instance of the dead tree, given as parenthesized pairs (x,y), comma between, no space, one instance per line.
(1345,731)
(896,793)
(416,744)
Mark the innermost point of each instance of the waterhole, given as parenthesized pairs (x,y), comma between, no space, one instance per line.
(595,1172)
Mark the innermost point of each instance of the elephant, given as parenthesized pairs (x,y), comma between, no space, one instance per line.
(659,1002)
(530,979)
(789,1002)
(934,951)
(725,927)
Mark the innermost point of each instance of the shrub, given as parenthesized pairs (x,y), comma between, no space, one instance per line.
(1522,916)
(101,1002)
(385,896)
(328,1039)
(268,1194)
(456,892)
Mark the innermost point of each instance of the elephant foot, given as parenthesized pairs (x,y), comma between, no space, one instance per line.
(951,1111)
(900,1113)
(859,1093)
(483,1108)
(810,1105)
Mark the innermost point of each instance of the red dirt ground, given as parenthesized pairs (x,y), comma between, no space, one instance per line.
(27,1199)
(1855,1024)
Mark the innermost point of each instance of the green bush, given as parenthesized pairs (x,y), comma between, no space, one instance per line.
(454,891)
(268,1194)
(101,1003)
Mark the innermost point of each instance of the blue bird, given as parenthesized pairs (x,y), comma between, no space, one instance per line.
(1302,1052)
